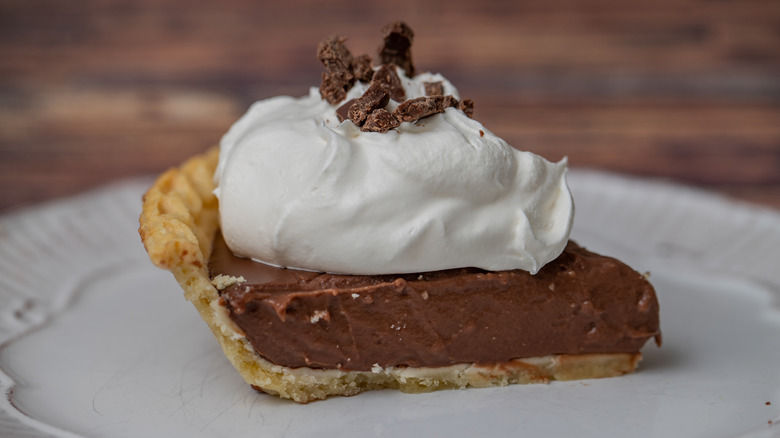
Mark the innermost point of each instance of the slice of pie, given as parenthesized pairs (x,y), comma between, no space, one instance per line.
(305,336)
(382,171)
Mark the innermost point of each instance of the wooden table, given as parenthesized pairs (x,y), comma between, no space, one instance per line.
(95,91)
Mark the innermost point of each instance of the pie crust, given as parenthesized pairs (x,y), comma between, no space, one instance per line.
(178,224)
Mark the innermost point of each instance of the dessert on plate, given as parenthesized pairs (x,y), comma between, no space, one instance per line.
(373,235)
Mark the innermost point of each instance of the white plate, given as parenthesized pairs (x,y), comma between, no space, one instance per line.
(94,341)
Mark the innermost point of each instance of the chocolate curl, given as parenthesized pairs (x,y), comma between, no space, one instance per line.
(380,120)
(388,78)
(467,106)
(375,97)
(339,77)
(342,112)
(361,67)
(397,46)
(421,107)
(434,88)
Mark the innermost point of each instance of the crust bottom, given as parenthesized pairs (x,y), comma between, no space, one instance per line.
(306,384)
(177,226)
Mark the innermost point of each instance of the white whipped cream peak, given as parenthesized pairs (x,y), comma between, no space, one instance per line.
(298,189)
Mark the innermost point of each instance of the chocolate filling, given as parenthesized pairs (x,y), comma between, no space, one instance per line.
(579,303)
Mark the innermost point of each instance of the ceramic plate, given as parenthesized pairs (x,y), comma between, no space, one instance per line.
(95,341)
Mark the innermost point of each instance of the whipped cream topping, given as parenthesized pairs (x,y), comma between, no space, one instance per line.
(297,188)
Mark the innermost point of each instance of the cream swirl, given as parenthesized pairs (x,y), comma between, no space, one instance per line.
(298,189)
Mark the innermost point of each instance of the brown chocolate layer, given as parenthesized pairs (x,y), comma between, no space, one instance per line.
(579,303)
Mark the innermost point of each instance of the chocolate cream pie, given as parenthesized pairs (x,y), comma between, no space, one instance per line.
(372,235)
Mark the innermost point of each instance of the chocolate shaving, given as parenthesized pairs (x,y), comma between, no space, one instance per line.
(339,78)
(450,101)
(421,107)
(434,88)
(467,106)
(375,97)
(369,111)
(380,120)
(397,47)
(388,78)
(361,67)
(342,112)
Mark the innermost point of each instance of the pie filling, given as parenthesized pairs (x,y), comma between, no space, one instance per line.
(580,303)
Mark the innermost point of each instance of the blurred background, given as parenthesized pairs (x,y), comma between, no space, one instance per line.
(93,91)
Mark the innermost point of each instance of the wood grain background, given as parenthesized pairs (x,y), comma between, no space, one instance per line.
(686,90)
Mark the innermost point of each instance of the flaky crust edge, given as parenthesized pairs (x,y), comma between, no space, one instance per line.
(178,222)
